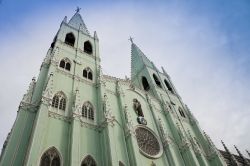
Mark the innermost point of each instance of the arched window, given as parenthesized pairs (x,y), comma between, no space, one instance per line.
(70,39)
(65,64)
(87,73)
(158,83)
(168,86)
(50,158)
(59,101)
(121,164)
(88,47)
(88,161)
(145,84)
(88,111)
(181,113)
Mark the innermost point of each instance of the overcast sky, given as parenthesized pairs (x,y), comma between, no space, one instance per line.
(203,45)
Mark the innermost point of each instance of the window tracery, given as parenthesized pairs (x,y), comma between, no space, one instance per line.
(50,158)
(65,64)
(87,73)
(88,111)
(59,101)
(88,161)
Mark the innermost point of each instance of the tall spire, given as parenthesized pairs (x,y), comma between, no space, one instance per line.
(77,22)
(138,59)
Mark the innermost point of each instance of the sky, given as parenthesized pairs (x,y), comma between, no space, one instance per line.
(203,45)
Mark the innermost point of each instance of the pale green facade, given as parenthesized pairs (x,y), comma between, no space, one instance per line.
(108,135)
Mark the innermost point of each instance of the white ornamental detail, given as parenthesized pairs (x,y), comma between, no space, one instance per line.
(109,117)
(28,96)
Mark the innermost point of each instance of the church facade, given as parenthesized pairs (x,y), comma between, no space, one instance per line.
(73,115)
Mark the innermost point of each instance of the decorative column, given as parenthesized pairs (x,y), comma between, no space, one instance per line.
(129,129)
(185,148)
(75,130)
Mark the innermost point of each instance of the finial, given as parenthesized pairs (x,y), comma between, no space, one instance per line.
(248,153)
(131,39)
(78,9)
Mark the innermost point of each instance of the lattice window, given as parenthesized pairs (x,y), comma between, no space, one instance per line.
(50,158)
(88,111)
(65,64)
(59,101)
(88,161)
(55,101)
(87,73)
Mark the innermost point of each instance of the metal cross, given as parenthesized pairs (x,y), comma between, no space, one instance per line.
(77,9)
(131,39)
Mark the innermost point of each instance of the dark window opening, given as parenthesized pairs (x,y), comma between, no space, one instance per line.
(90,75)
(85,73)
(70,39)
(182,113)
(88,47)
(168,86)
(62,64)
(158,83)
(67,67)
(145,84)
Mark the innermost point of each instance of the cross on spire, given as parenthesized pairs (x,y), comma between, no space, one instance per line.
(78,9)
(131,39)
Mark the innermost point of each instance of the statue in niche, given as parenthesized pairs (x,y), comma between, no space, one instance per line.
(138,111)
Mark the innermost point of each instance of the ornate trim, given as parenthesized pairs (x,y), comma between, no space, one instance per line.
(59,117)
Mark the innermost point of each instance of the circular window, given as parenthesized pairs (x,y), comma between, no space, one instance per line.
(148,142)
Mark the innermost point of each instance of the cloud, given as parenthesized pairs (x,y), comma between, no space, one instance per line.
(208,71)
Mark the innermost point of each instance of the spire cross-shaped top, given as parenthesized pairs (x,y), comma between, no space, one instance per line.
(131,39)
(78,9)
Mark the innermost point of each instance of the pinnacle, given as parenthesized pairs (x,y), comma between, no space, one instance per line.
(77,22)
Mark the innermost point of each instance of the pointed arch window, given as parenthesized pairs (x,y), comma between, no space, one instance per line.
(121,164)
(158,83)
(88,111)
(88,161)
(168,86)
(70,39)
(88,47)
(145,83)
(87,73)
(59,101)
(50,158)
(65,64)
(182,113)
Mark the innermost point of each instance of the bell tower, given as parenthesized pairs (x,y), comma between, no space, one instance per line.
(57,118)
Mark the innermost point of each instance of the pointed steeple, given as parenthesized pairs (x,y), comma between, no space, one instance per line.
(233,160)
(241,156)
(77,22)
(138,59)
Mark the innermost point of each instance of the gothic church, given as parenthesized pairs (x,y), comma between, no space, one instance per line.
(73,115)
